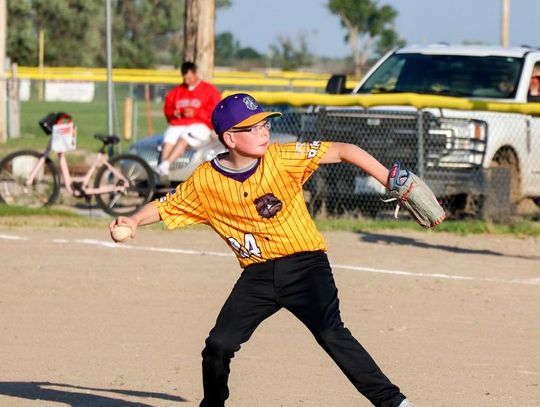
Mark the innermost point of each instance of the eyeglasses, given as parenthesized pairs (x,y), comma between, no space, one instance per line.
(254,129)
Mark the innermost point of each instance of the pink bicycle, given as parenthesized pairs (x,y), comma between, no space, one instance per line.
(122,184)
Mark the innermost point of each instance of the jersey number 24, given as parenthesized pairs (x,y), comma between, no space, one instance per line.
(250,246)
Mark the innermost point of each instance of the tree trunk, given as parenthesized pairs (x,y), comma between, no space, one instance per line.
(362,57)
(354,39)
(3,29)
(199,35)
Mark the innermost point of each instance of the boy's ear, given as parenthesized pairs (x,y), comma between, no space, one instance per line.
(228,139)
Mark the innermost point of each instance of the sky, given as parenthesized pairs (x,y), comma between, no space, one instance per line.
(257,23)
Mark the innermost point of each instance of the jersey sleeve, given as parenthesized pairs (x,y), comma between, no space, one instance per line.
(302,159)
(181,206)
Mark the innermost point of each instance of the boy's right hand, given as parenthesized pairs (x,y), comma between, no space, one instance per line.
(123,221)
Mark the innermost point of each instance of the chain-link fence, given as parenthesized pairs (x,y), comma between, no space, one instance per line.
(137,110)
(479,164)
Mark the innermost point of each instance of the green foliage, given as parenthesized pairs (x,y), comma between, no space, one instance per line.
(289,56)
(248,53)
(22,45)
(388,39)
(67,24)
(223,4)
(365,23)
(228,50)
(145,32)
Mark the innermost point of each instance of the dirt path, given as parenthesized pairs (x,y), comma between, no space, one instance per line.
(452,320)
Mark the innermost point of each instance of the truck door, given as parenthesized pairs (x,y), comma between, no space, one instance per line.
(533,138)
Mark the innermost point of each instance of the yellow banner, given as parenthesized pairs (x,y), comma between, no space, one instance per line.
(266,78)
(388,99)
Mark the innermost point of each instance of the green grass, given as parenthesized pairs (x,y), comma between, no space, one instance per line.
(21,216)
(90,119)
(18,216)
(7,210)
(470,227)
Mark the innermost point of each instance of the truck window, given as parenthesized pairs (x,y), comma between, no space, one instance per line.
(534,85)
(451,75)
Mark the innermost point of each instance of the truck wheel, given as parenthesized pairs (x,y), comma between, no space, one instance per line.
(316,195)
(507,158)
(464,206)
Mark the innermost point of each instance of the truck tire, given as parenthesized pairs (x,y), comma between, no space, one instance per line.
(507,158)
(464,206)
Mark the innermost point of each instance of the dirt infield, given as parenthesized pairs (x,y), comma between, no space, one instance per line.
(454,321)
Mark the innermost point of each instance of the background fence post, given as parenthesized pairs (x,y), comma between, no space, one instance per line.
(148,104)
(14,105)
(420,144)
(3,83)
(128,118)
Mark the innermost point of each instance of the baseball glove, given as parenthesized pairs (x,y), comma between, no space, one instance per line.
(411,192)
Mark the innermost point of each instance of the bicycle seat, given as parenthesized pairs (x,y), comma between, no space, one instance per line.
(106,139)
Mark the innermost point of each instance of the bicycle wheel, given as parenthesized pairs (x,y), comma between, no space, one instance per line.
(15,169)
(120,196)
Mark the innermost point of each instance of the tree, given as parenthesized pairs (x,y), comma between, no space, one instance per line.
(199,35)
(247,53)
(365,21)
(228,51)
(288,56)
(21,44)
(70,30)
(226,48)
(145,33)
(387,40)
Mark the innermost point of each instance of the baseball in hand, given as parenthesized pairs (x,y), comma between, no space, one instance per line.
(121,233)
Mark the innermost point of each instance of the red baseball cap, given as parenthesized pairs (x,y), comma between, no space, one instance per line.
(238,110)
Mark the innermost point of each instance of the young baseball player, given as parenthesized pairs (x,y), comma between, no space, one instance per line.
(252,197)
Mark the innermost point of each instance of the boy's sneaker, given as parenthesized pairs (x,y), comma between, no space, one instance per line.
(163,168)
(406,403)
(163,172)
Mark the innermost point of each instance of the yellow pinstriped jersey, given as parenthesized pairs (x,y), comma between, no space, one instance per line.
(263,217)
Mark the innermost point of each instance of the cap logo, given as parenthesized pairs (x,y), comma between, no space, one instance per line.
(250,103)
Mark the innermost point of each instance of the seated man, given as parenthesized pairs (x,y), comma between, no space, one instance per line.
(188,108)
(534,85)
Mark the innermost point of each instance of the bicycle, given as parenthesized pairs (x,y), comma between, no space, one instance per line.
(123,183)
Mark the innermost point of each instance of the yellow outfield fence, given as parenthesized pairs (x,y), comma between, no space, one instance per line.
(226,78)
(401,99)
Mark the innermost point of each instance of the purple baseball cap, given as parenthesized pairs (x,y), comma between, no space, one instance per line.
(238,110)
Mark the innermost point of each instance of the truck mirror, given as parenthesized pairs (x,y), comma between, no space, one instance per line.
(336,85)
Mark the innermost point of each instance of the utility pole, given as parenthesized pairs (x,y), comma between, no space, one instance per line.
(505,16)
(3,82)
(199,35)
(41,60)
(108,30)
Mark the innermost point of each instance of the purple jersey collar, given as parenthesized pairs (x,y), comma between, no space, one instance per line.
(240,175)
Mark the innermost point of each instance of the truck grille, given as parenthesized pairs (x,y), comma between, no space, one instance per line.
(386,135)
(151,156)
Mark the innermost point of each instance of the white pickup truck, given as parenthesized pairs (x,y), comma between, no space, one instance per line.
(455,150)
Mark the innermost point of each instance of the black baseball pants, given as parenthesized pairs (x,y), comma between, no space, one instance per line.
(304,285)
